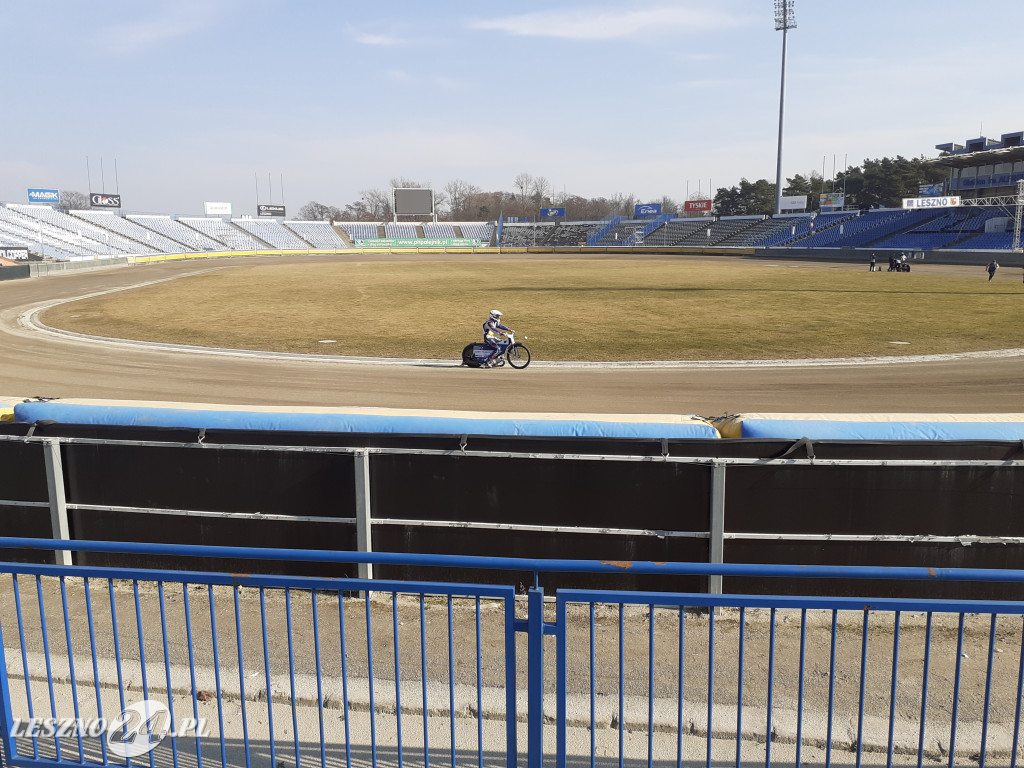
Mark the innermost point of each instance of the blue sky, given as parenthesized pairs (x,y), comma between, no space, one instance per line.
(195,98)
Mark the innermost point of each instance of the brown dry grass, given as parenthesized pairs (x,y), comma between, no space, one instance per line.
(570,309)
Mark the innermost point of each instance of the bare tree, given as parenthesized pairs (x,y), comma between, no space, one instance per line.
(73,201)
(459,196)
(377,202)
(523,183)
(314,211)
(540,190)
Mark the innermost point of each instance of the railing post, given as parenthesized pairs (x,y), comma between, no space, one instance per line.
(364,542)
(535,680)
(716,543)
(7,750)
(55,493)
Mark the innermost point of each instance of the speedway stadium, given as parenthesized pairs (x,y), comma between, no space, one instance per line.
(663,476)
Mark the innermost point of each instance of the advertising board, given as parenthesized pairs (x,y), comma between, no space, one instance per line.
(830,201)
(417,242)
(36,195)
(13,253)
(793,203)
(103,200)
(930,202)
(217,209)
(552,213)
(647,209)
(932,190)
(690,206)
(270,210)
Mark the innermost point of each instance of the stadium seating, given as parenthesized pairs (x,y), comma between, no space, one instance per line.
(400,231)
(482,231)
(713,233)
(525,235)
(439,231)
(272,232)
(95,239)
(224,231)
(175,230)
(761,231)
(986,241)
(153,242)
(360,231)
(40,234)
(572,234)
(319,234)
(621,232)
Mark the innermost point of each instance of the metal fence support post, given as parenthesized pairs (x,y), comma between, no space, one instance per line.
(7,751)
(535,680)
(55,493)
(364,541)
(716,544)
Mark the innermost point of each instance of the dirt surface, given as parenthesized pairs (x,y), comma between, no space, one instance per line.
(35,364)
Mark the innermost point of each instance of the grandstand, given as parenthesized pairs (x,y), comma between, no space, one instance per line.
(40,234)
(478,230)
(439,231)
(525,235)
(400,231)
(319,234)
(225,232)
(983,172)
(572,234)
(190,239)
(272,232)
(154,242)
(360,231)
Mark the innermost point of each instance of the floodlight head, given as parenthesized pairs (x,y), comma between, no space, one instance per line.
(785,15)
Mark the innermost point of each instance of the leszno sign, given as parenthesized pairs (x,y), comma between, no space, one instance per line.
(270,210)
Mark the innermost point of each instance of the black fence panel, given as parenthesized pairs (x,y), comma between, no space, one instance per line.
(102,525)
(875,500)
(593,494)
(195,478)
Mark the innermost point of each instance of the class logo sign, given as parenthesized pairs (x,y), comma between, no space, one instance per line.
(101,200)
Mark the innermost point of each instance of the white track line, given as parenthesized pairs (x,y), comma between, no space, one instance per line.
(29,320)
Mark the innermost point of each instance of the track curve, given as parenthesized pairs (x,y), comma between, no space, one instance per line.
(49,365)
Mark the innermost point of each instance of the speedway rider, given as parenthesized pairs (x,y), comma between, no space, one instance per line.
(493,336)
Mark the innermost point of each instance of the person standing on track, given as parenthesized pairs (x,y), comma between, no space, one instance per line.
(992,267)
(494,333)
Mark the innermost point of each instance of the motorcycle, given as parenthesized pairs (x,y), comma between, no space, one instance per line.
(516,354)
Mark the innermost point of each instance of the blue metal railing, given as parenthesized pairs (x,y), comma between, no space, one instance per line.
(601,232)
(651,226)
(267,669)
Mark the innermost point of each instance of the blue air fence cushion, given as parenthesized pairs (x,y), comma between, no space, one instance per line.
(877,426)
(366,420)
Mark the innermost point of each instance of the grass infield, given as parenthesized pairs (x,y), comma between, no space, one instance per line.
(570,309)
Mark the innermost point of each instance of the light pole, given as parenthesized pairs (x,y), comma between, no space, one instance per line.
(785,20)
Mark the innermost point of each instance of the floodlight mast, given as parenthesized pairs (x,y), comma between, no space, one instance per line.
(785,20)
(1019,212)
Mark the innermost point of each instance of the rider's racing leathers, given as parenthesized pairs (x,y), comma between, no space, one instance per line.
(492,338)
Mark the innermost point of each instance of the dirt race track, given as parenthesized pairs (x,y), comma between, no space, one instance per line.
(38,364)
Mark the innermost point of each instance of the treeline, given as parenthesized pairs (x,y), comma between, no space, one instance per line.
(876,183)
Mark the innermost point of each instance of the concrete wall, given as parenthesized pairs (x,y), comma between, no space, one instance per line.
(43,268)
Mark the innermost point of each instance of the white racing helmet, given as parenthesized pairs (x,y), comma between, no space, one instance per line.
(496,315)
